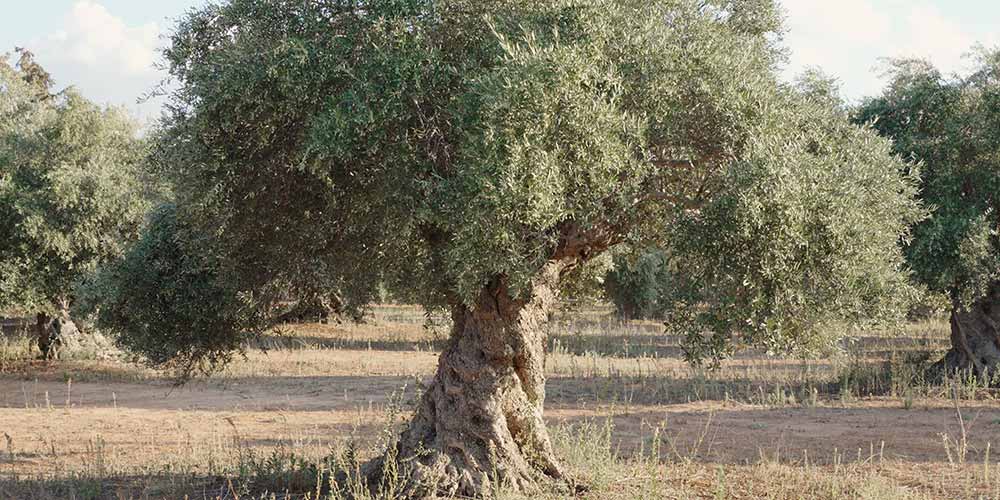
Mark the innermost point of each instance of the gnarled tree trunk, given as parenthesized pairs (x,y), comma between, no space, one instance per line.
(975,337)
(54,332)
(43,334)
(479,424)
(312,308)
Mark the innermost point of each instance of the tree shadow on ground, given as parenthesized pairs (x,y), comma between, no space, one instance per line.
(95,487)
(628,346)
(799,383)
(308,342)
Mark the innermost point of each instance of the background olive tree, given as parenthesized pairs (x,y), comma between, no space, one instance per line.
(70,196)
(469,155)
(637,283)
(166,291)
(951,126)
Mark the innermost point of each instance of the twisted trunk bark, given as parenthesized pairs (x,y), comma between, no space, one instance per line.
(43,334)
(479,424)
(975,338)
(53,332)
(312,308)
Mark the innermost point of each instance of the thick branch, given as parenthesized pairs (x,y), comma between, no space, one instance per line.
(578,245)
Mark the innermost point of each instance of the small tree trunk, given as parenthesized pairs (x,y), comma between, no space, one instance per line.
(479,424)
(312,308)
(43,333)
(975,337)
(53,333)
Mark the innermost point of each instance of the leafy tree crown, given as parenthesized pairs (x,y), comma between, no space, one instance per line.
(951,126)
(70,196)
(435,146)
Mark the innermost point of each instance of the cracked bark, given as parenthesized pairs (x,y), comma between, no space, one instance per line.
(479,424)
(975,337)
(53,332)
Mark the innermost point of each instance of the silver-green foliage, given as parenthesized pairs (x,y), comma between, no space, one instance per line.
(436,145)
(804,241)
(70,197)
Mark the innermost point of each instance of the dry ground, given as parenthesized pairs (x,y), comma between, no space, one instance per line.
(629,416)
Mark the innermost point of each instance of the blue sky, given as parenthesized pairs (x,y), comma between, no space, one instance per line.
(107,48)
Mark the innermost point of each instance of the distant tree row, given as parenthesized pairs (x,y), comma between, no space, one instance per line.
(948,129)
(71,194)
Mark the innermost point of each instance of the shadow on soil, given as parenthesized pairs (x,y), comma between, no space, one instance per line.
(632,345)
(130,487)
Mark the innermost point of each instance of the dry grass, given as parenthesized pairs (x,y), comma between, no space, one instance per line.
(629,417)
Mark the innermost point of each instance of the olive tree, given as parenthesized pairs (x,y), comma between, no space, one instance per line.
(471,154)
(951,126)
(637,284)
(69,194)
(168,294)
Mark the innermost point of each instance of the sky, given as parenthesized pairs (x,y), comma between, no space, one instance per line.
(108,49)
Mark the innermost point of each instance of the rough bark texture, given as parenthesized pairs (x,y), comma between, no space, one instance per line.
(66,336)
(43,333)
(975,338)
(314,308)
(59,338)
(479,423)
(56,334)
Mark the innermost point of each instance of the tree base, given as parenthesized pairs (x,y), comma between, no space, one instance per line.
(457,455)
(975,339)
(478,428)
(442,474)
(60,338)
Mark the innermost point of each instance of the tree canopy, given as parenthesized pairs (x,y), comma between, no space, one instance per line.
(432,146)
(473,155)
(951,126)
(170,298)
(70,197)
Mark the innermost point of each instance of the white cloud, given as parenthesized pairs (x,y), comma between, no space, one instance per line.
(849,38)
(93,35)
(856,21)
(108,60)
(929,34)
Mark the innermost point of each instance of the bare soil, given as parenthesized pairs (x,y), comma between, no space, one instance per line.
(320,385)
